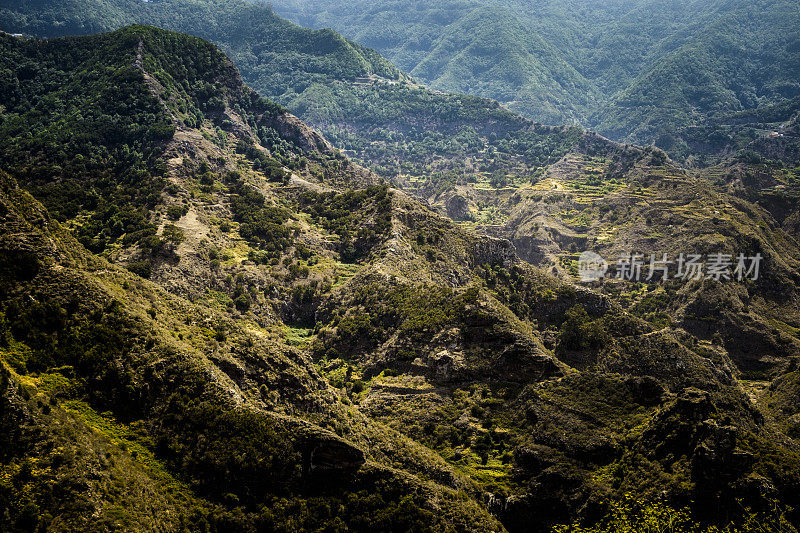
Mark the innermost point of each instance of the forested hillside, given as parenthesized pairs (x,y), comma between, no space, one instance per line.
(127,406)
(637,71)
(314,350)
(407,133)
(214,318)
(274,54)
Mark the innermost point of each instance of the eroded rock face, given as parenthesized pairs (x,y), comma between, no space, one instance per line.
(291,127)
(676,430)
(646,389)
(532,249)
(544,505)
(716,457)
(457,208)
(331,455)
(494,252)
(443,364)
(690,428)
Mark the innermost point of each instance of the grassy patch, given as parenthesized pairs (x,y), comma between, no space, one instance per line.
(133,441)
(345,272)
(298,336)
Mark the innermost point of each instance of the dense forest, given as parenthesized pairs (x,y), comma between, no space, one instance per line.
(639,71)
(360,101)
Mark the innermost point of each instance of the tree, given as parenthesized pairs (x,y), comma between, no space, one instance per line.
(579,332)
(171,238)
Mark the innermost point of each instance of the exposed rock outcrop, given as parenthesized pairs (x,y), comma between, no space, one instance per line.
(458,208)
(331,454)
(494,252)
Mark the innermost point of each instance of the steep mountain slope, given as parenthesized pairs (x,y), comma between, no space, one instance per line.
(272,53)
(490,53)
(313,349)
(185,415)
(641,72)
(412,135)
(766,171)
(482,48)
(635,71)
(656,209)
(744,59)
(121,407)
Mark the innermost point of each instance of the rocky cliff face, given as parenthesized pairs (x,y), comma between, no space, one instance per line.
(491,251)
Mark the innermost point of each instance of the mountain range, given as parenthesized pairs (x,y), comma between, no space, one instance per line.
(642,71)
(214,319)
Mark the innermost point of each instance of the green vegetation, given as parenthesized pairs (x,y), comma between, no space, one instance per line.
(579,332)
(376,312)
(327,353)
(91,100)
(270,51)
(111,166)
(108,415)
(639,71)
(360,218)
(633,516)
(673,75)
(400,129)
(389,128)
(263,226)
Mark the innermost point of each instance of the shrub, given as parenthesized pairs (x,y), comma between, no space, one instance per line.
(243,302)
(143,269)
(579,332)
(359,217)
(175,211)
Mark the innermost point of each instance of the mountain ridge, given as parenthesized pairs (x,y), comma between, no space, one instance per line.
(634,60)
(371,357)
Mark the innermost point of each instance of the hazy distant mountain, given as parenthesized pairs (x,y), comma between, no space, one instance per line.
(637,71)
